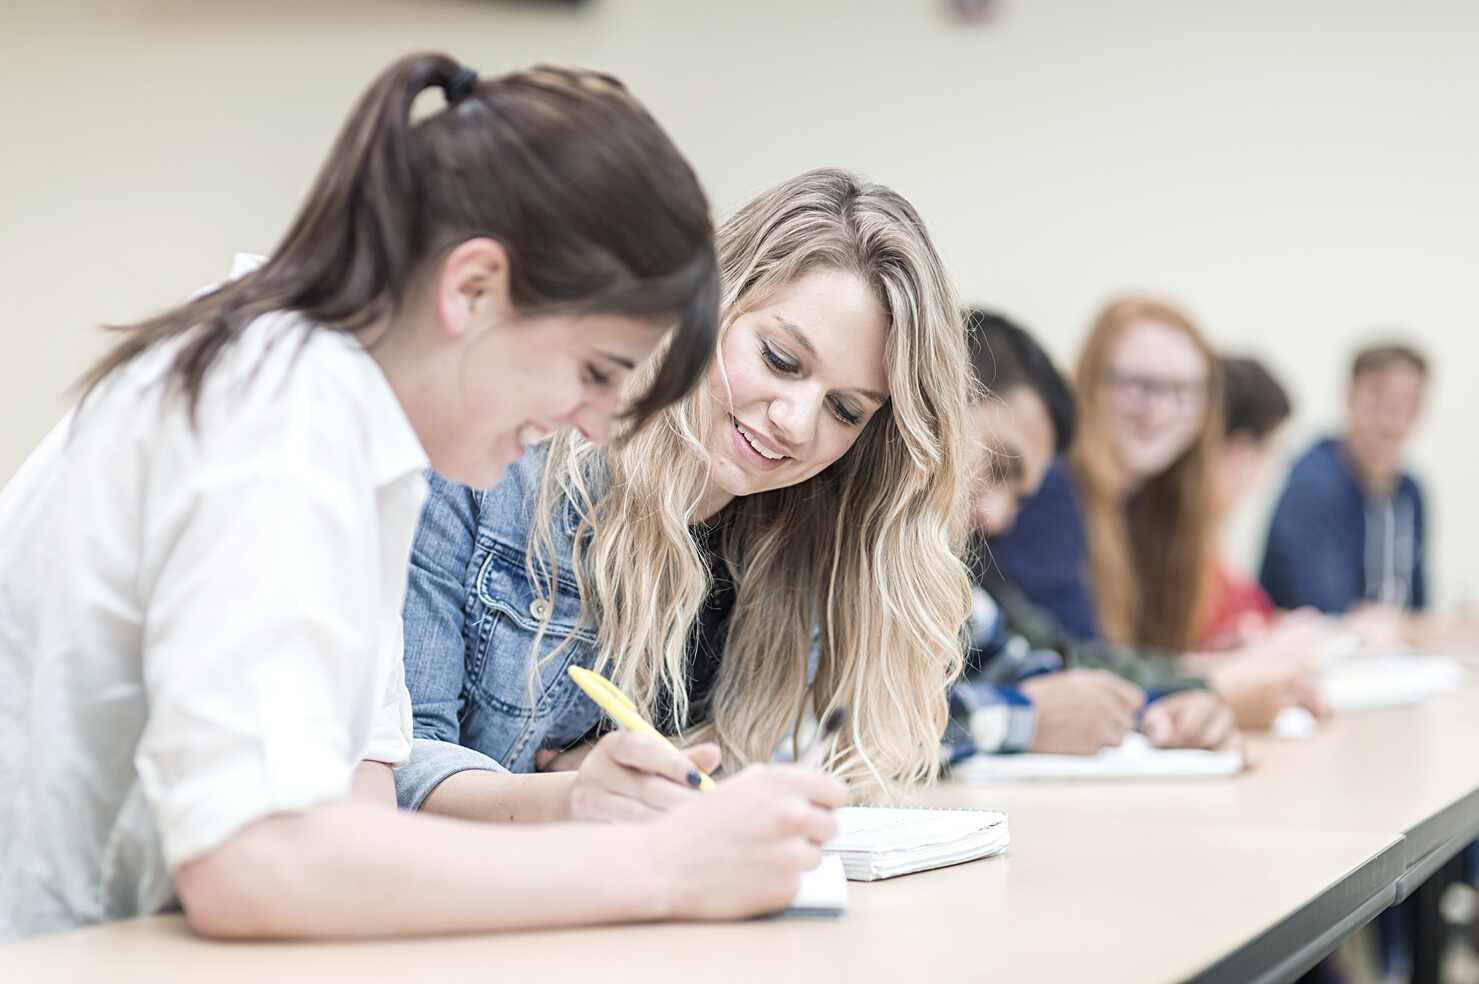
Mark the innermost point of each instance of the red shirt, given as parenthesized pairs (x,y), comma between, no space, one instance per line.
(1238,609)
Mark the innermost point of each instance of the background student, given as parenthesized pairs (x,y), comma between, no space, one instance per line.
(202,568)
(1254,408)
(1117,543)
(1349,526)
(1018,695)
(779,544)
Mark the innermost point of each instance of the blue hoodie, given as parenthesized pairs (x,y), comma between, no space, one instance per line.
(1330,545)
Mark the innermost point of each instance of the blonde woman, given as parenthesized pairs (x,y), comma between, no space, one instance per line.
(781,543)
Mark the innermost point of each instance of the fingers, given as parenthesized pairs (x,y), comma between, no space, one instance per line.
(742,849)
(640,753)
(705,757)
(1192,713)
(812,822)
(1191,719)
(1227,736)
(1122,691)
(629,776)
(1157,724)
(817,787)
(1215,728)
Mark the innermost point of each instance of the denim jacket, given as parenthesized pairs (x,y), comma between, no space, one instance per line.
(471,617)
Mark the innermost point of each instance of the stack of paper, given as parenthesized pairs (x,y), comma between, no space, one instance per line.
(823,890)
(881,842)
(1388,681)
(1134,758)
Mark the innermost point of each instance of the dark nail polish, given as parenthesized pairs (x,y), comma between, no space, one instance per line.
(694,779)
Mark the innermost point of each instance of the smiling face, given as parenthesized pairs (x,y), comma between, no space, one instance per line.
(1153,399)
(528,378)
(479,381)
(1011,441)
(798,377)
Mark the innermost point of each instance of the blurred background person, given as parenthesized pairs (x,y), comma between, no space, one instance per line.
(1118,542)
(1254,409)
(1031,686)
(1349,528)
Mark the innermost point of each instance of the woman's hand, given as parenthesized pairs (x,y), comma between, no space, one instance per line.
(628,776)
(1191,719)
(741,849)
(1257,688)
(1081,711)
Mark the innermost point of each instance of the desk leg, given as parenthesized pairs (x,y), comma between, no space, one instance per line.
(1428,931)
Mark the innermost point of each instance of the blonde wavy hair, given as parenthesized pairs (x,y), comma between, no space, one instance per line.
(1150,565)
(860,560)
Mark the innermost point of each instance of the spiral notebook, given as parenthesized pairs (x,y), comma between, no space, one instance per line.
(881,842)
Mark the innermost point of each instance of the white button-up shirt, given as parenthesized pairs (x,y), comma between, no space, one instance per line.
(199,626)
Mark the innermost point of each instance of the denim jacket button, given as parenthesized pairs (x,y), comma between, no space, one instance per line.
(539,608)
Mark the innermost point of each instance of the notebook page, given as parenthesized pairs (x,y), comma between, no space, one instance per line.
(1134,758)
(882,828)
(880,842)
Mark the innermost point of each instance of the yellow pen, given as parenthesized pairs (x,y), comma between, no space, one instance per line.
(620,706)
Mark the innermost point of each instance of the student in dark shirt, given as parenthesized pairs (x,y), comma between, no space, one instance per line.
(1349,527)
(1122,528)
(1030,685)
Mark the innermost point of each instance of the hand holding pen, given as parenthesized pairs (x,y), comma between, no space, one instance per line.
(636,773)
(736,851)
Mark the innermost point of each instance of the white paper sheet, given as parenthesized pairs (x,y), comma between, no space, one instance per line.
(1134,758)
(822,892)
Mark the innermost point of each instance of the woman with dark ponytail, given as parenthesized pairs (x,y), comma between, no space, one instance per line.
(202,568)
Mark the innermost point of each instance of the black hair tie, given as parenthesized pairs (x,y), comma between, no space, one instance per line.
(460,84)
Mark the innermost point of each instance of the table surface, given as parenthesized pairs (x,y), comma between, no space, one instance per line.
(1149,881)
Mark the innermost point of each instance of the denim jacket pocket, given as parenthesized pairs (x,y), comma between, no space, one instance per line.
(509,677)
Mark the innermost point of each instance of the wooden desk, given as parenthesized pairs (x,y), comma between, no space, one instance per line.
(1116,902)
(1411,771)
(1248,879)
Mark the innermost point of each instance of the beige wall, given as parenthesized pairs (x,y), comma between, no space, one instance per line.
(1297,174)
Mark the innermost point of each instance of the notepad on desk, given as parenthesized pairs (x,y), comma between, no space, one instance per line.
(1134,758)
(876,842)
(1359,682)
(822,892)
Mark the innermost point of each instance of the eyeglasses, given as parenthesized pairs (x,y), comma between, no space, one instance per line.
(1136,390)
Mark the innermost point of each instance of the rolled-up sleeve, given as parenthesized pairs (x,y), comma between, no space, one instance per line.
(436,644)
(431,762)
(261,643)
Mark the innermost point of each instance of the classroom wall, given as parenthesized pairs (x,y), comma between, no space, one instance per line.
(1299,175)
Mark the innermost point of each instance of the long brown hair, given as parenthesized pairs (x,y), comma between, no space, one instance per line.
(597,209)
(1149,562)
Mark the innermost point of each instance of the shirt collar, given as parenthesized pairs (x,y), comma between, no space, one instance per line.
(396,451)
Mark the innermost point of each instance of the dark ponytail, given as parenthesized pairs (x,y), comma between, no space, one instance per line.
(597,209)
